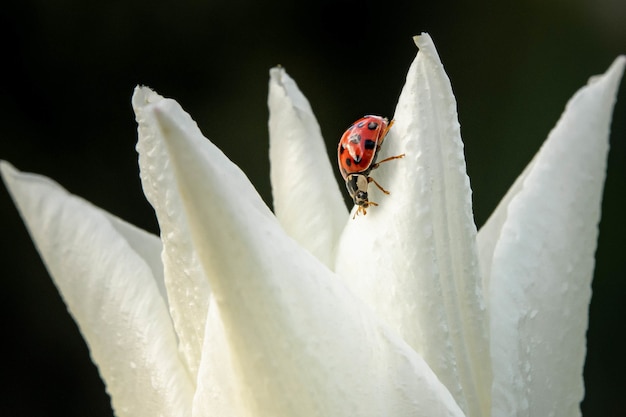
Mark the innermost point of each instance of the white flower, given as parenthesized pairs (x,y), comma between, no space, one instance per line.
(407,311)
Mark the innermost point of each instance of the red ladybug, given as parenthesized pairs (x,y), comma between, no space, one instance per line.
(357,153)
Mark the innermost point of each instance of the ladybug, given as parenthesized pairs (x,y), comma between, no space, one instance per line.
(357,153)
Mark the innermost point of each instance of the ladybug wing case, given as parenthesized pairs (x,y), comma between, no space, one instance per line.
(358,145)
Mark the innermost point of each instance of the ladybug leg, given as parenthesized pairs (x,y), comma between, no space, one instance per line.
(360,209)
(370,179)
(391,158)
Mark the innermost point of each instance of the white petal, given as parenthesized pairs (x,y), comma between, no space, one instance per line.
(307,200)
(187,286)
(300,343)
(490,232)
(543,262)
(414,257)
(97,263)
(147,246)
(219,391)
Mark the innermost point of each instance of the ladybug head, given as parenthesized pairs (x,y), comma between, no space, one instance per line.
(357,187)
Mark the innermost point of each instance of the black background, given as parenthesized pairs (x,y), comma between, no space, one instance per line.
(69,68)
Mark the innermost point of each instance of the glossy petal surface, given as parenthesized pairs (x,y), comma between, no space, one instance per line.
(300,344)
(187,286)
(543,261)
(307,201)
(405,311)
(103,268)
(414,258)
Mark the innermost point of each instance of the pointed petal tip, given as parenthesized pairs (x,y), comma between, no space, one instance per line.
(426,47)
(12,175)
(285,89)
(6,168)
(8,173)
(162,109)
(17,181)
(423,40)
(280,78)
(620,61)
(613,73)
(616,69)
(276,73)
(143,96)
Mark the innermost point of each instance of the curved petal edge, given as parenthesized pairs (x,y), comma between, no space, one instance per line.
(543,261)
(299,343)
(421,272)
(111,292)
(307,200)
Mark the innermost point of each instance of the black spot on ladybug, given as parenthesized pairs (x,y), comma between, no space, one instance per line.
(357,159)
(370,144)
(361,124)
(372,126)
(341,149)
(348,161)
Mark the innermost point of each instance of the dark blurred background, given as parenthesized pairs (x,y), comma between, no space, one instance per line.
(69,68)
